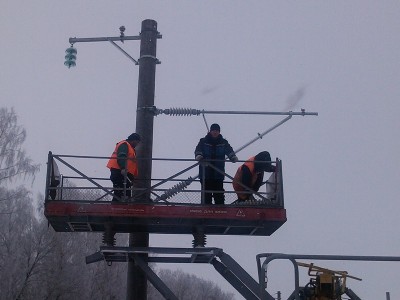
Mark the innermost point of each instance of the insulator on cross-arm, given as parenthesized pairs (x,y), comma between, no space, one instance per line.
(178,111)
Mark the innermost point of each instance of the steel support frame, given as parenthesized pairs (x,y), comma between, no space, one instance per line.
(223,263)
(154,279)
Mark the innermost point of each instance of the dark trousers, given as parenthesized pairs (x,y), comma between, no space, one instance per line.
(118,184)
(216,190)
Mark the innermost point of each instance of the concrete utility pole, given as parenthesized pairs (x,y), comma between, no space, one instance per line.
(136,279)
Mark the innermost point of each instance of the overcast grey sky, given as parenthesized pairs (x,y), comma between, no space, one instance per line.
(341,169)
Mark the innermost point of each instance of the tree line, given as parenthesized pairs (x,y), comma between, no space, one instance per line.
(38,263)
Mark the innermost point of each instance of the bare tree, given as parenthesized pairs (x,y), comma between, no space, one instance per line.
(13,160)
(17,223)
(67,276)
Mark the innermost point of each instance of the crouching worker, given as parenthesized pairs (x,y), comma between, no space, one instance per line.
(123,167)
(249,176)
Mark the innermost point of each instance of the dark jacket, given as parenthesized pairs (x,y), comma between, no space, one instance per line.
(211,148)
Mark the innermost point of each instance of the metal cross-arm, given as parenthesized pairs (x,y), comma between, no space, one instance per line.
(178,111)
(106,39)
(70,58)
(112,40)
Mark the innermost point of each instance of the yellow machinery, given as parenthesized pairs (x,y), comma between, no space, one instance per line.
(324,284)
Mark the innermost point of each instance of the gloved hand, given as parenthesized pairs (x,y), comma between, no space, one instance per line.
(124,172)
(234,159)
(270,168)
(199,157)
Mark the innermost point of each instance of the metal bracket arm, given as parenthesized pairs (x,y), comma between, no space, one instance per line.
(105,39)
(124,52)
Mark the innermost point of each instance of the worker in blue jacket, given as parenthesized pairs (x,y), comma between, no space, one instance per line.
(213,147)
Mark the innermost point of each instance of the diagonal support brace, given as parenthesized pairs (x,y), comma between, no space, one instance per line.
(154,279)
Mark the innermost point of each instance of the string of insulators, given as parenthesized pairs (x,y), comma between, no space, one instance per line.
(178,111)
(176,189)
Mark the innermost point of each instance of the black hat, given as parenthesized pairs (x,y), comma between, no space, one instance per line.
(262,162)
(263,156)
(134,137)
(215,126)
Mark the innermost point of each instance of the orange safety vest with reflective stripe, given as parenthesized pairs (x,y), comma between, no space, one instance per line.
(238,178)
(131,163)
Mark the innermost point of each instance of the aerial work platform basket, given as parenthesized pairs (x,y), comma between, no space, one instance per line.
(78,201)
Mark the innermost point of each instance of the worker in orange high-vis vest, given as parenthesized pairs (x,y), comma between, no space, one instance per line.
(123,166)
(251,175)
